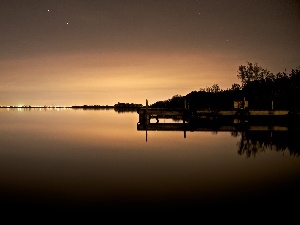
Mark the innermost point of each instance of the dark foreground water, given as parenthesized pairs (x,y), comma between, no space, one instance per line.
(65,159)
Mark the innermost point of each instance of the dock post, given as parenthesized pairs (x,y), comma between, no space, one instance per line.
(147,116)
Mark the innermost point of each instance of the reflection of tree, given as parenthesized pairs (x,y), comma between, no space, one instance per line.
(254,142)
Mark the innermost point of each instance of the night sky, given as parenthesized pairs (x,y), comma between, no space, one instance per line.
(72,52)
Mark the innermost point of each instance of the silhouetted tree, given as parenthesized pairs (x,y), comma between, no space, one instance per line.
(253,72)
(215,88)
(236,87)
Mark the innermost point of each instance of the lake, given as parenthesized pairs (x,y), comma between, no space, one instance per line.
(97,159)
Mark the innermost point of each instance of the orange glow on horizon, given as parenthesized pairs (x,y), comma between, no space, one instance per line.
(111,77)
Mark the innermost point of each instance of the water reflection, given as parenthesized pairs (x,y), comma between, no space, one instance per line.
(77,158)
(254,142)
(253,138)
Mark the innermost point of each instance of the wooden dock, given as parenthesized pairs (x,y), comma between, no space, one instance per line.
(210,120)
(228,128)
(146,114)
(235,120)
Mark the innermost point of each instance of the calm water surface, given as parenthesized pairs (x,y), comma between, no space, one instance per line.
(98,158)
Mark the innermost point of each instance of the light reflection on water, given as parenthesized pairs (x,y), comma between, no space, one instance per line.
(97,158)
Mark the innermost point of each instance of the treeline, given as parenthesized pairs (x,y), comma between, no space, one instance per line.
(261,88)
(127,105)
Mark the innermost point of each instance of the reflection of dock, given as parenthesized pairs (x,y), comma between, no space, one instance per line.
(187,127)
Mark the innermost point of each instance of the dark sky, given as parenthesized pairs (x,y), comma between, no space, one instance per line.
(103,52)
